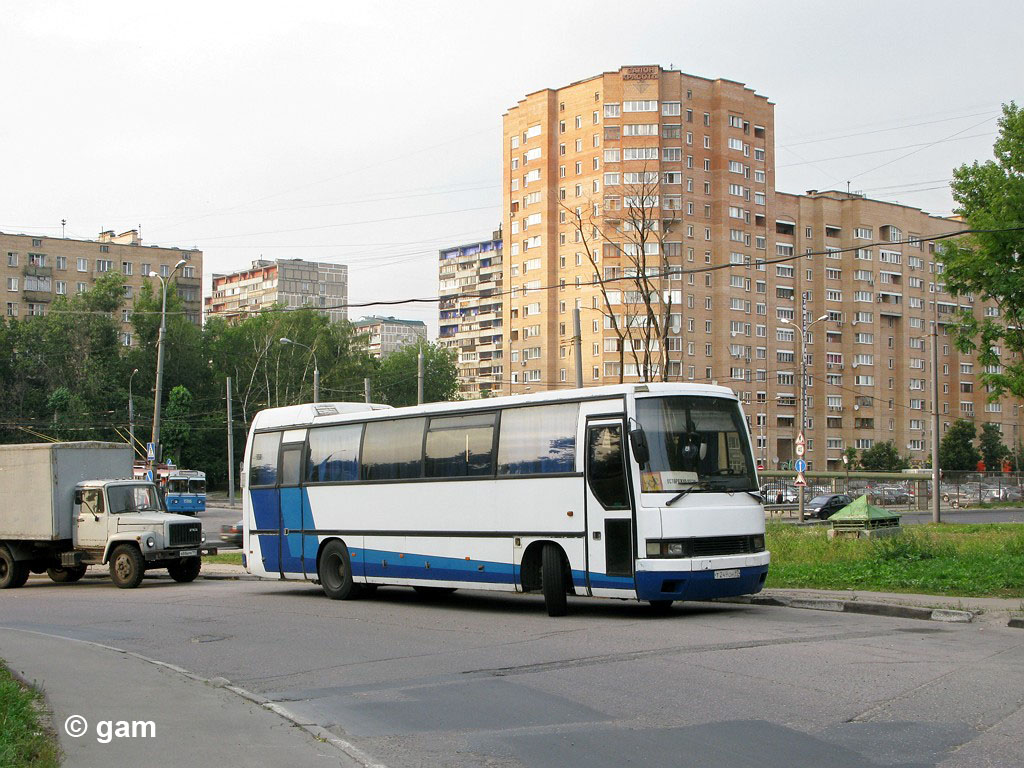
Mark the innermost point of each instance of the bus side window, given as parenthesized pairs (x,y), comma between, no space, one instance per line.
(460,446)
(392,450)
(263,462)
(538,440)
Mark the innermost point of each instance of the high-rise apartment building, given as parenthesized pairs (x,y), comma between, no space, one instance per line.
(646,199)
(288,282)
(470,313)
(36,270)
(387,334)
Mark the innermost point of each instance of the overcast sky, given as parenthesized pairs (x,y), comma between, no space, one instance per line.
(369,133)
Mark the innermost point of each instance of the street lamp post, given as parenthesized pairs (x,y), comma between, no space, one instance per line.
(802,330)
(316,368)
(160,368)
(131,411)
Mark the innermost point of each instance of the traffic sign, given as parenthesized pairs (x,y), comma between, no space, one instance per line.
(800,465)
(760,467)
(799,449)
(150,451)
(800,482)
(800,438)
(149,474)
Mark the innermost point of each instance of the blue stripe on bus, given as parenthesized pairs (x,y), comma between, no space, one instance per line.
(410,566)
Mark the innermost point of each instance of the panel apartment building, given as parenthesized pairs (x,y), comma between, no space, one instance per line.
(385,335)
(290,282)
(470,314)
(36,270)
(654,172)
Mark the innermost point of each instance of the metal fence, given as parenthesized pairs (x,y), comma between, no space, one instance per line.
(888,489)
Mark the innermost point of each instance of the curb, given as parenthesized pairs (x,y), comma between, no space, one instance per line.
(1016,623)
(356,757)
(858,606)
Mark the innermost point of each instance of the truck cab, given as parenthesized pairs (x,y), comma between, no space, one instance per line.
(124,524)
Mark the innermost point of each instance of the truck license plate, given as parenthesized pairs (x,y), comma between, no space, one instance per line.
(728,573)
(194,552)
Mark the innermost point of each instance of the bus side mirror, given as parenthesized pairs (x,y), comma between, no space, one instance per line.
(638,442)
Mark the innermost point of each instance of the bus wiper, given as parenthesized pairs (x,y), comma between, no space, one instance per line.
(681,494)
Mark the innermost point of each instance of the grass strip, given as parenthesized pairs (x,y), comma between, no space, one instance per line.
(24,742)
(224,558)
(985,560)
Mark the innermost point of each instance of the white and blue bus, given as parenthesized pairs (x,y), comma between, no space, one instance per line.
(637,491)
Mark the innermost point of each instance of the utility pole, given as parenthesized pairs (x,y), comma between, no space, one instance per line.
(802,329)
(936,514)
(131,413)
(419,377)
(577,346)
(316,384)
(366,389)
(231,447)
(160,371)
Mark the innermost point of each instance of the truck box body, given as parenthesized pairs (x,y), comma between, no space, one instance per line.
(37,484)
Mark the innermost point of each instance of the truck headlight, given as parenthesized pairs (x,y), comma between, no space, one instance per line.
(150,542)
(202,539)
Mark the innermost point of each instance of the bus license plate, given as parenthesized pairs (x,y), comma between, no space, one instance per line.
(194,552)
(728,573)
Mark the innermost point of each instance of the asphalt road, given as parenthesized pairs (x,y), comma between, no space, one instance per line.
(216,516)
(488,679)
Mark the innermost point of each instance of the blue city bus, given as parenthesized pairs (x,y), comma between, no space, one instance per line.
(185,491)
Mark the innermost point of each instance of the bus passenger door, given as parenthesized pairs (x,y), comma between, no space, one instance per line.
(609,514)
(291,517)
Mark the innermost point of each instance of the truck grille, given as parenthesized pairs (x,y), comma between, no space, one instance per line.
(186,534)
(724,545)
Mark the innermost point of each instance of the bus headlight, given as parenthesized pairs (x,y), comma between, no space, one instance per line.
(667,549)
(758,542)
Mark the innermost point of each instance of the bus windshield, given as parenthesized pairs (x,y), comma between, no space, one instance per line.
(177,485)
(197,485)
(696,444)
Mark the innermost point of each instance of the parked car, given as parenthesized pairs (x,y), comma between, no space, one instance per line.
(232,534)
(778,494)
(823,507)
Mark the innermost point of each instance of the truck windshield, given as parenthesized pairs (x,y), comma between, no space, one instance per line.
(696,444)
(125,499)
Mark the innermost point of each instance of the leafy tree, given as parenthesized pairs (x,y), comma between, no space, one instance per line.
(883,457)
(957,451)
(990,198)
(851,457)
(396,380)
(176,427)
(992,449)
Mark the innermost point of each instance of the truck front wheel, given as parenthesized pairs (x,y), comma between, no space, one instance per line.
(63,575)
(127,566)
(13,573)
(186,569)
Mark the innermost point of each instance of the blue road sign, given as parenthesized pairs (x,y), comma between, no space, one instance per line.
(150,452)
(149,475)
(800,465)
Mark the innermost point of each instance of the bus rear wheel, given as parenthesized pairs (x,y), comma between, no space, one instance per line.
(335,572)
(553,580)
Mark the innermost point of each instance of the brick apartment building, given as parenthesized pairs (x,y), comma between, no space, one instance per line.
(36,270)
(694,159)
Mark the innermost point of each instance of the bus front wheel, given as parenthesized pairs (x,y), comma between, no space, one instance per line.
(553,580)
(335,571)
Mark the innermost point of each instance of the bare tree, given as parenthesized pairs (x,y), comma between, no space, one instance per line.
(630,228)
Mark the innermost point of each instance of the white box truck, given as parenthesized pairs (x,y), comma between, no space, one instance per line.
(66,506)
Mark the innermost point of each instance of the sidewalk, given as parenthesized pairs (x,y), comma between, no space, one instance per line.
(195,723)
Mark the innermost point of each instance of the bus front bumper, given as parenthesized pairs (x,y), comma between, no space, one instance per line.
(701,579)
